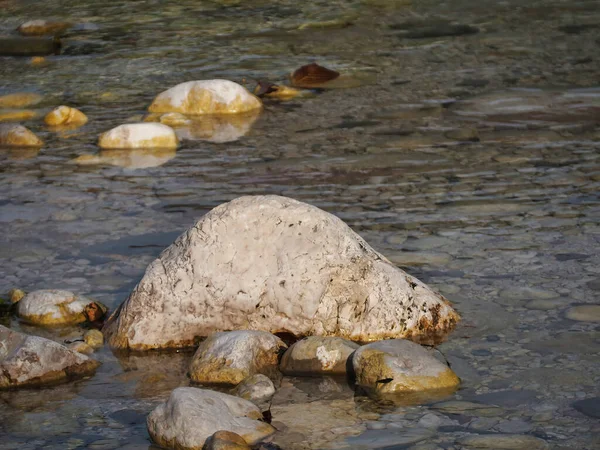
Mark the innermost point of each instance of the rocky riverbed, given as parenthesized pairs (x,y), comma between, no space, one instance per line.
(462,144)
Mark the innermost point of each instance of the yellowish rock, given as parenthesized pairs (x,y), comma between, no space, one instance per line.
(226,440)
(206,97)
(278,91)
(15,295)
(80,347)
(18,136)
(65,115)
(20,100)
(42,27)
(16,115)
(172,119)
(38,61)
(94,338)
(139,135)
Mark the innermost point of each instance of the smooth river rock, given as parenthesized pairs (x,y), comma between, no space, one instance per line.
(35,361)
(20,100)
(401,366)
(206,97)
(584,313)
(230,357)
(258,388)
(317,355)
(42,27)
(191,415)
(139,135)
(18,136)
(54,307)
(65,115)
(279,265)
(134,158)
(226,440)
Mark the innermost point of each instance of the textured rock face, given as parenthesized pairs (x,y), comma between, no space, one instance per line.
(229,357)
(53,307)
(259,389)
(65,115)
(275,264)
(206,97)
(35,361)
(190,416)
(317,355)
(400,366)
(139,135)
(18,136)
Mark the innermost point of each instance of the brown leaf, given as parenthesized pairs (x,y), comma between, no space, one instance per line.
(313,75)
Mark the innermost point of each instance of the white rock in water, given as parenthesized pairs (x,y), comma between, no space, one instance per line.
(206,97)
(53,307)
(232,356)
(139,135)
(191,415)
(317,355)
(35,361)
(258,389)
(275,264)
(400,366)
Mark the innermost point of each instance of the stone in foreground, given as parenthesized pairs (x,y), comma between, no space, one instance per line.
(18,136)
(226,440)
(139,135)
(65,116)
(191,415)
(279,265)
(317,355)
(34,361)
(400,366)
(53,307)
(206,97)
(230,357)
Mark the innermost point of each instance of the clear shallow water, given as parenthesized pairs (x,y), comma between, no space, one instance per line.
(506,227)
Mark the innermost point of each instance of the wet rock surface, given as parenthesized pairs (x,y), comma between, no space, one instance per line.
(53,307)
(316,355)
(34,361)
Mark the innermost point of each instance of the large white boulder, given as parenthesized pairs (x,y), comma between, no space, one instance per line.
(36,361)
(230,357)
(279,265)
(206,97)
(191,415)
(53,307)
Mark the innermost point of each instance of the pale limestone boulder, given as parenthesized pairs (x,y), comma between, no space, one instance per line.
(18,136)
(191,415)
(232,356)
(317,355)
(53,307)
(20,100)
(35,361)
(65,116)
(258,389)
(398,366)
(139,135)
(275,264)
(206,97)
(42,27)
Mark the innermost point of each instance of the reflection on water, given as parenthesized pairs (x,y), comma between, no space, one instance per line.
(470,160)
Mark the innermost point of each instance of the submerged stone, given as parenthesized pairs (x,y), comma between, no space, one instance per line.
(191,415)
(206,97)
(65,115)
(504,442)
(584,313)
(20,100)
(139,135)
(230,357)
(135,158)
(226,440)
(400,366)
(317,355)
(589,406)
(35,361)
(275,264)
(18,136)
(42,27)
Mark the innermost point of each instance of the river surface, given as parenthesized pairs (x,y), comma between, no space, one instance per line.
(471,160)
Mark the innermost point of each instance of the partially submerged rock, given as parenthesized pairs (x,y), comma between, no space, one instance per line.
(94,338)
(65,115)
(135,158)
(29,46)
(17,115)
(57,307)
(18,136)
(42,27)
(317,355)
(275,264)
(16,295)
(20,100)
(191,415)
(139,135)
(230,357)
(400,366)
(258,389)
(35,361)
(206,97)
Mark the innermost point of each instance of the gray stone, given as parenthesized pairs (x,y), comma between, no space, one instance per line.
(191,415)
(589,406)
(259,389)
(317,355)
(507,398)
(230,357)
(504,442)
(35,361)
